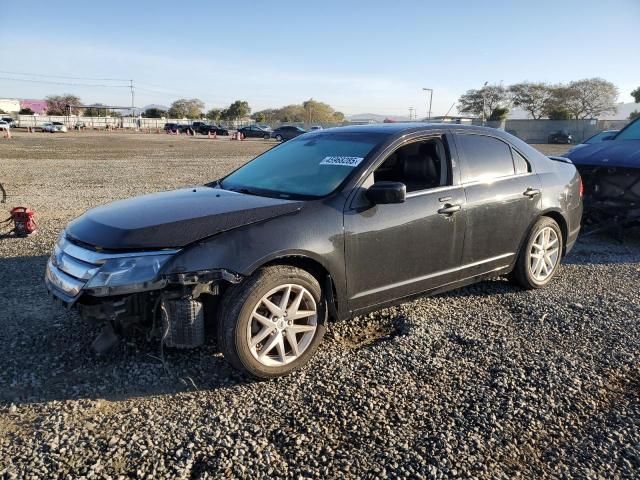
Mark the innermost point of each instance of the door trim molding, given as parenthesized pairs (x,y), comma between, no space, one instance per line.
(373,291)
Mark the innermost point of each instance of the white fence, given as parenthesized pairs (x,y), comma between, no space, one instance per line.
(98,122)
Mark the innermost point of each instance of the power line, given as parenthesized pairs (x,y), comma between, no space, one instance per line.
(73,84)
(65,76)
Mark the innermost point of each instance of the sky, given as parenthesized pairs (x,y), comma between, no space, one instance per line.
(359,56)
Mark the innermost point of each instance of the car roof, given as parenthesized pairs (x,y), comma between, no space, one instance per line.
(410,127)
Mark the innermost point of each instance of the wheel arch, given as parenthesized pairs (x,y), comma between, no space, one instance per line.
(315,267)
(562,223)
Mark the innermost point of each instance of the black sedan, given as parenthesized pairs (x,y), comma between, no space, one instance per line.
(286,132)
(254,131)
(561,136)
(211,129)
(332,224)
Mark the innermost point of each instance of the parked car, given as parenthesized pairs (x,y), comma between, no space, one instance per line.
(53,127)
(254,131)
(316,127)
(597,138)
(10,121)
(217,129)
(286,132)
(561,136)
(175,127)
(611,173)
(4,125)
(334,224)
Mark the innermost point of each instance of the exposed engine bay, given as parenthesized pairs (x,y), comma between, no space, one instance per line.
(611,197)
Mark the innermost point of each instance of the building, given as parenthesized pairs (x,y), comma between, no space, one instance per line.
(10,105)
(39,107)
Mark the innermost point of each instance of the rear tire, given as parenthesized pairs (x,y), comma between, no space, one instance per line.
(539,259)
(279,138)
(260,322)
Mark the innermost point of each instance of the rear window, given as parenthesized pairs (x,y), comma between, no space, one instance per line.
(485,158)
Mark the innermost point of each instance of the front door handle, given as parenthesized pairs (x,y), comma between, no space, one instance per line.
(449,209)
(531,192)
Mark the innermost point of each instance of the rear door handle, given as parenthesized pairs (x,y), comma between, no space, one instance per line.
(449,209)
(531,192)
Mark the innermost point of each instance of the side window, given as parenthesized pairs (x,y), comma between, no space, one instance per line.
(419,165)
(484,158)
(520,163)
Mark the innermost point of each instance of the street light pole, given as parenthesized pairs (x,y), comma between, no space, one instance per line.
(430,90)
(484,100)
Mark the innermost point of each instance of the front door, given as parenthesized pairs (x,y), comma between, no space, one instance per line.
(397,250)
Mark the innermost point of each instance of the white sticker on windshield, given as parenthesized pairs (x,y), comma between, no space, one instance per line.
(344,161)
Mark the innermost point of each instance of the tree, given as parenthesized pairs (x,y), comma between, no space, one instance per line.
(338,117)
(531,97)
(57,104)
(238,109)
(499,114)
(214,114)
(636,95)
(265,116)
(155,113)
(558,113)
(318,112)
(183,108)
(291,113)
(96,110)
(2,112)
(26,111)
(588,98)
(633,115)
(484,101)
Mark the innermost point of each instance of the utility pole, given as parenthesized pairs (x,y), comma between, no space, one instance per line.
(484,101)
(430,90)
(410,113)
(132,96)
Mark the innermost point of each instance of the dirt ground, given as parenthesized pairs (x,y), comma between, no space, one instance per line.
(487,382)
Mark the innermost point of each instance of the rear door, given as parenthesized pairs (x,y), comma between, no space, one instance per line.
(502,199)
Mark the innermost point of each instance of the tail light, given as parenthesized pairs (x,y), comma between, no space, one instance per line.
(581,188)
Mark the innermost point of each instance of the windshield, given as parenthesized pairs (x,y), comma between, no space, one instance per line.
(630,132)
(599,136)
(307,166)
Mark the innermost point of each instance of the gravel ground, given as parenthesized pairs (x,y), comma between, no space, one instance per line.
(487,382)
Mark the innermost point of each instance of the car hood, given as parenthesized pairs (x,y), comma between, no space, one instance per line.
(610,153)
(173,219)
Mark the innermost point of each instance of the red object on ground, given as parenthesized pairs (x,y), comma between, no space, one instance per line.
(23,221)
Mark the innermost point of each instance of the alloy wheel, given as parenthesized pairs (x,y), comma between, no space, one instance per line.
(282,325)
(544,254)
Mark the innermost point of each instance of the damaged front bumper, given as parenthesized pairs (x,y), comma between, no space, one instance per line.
(612,197)
(73,270)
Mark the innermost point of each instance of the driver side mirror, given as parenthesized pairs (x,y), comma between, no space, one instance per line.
(381,193)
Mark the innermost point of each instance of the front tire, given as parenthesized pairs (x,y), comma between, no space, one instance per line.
(539,260)
(273,322)
(279,138)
